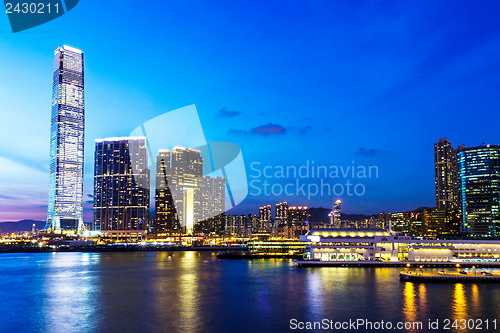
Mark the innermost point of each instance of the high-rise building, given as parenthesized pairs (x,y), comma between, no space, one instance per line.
(298,222)
(281,216)
(446,177)
(298,215)
(479,182)
(166,218)
(121,187)
(335,214)
(187,168)
(66,142)
(183,196)
(209,197)
(265,219)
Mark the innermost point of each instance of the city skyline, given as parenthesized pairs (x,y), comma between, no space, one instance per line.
(250,166)
(376,100)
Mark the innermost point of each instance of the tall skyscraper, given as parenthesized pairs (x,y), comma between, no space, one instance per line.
(335,214)
(479,181)
(66,142)
(166,218)
(187,168)
(446,175)
(121,186)
(183,196)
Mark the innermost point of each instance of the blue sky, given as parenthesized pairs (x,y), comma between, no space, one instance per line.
(332,82)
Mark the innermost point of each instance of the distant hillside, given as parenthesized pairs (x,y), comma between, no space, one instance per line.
(321,215)
(20,226)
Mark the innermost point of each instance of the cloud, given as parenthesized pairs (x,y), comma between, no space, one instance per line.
(91,201)
(228,113)
(2,196)
(262,130)
(372,152)
(268,129)
(305,129)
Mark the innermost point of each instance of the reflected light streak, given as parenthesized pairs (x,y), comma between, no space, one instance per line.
(422,299)
(71,290)
(188,293)
(409,306)
(459,303)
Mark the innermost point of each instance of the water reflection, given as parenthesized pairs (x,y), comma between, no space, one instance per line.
(459,303)
(422,300)
(409,303)
(188,292)
(193,292)
(314,294)
(70,291)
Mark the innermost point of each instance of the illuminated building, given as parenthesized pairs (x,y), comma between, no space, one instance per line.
(265,217)
(335,214)
(121,187)
(66,142)
(183,196)
(479,183)
(281,214)
(298,222)
(238,226)
(166,219)
(345,244)
(427,222)
(187,167)
(298,215)
(253,220)
(446,177)
(210,197)
(267,247)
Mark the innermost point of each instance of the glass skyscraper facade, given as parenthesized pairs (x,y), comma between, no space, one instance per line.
(446,179)
(121,184)
(66,142)
(479,182)
(166,218)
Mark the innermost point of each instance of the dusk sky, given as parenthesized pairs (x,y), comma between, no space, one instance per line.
(340,83)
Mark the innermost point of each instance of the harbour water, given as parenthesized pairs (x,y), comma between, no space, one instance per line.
(196,292)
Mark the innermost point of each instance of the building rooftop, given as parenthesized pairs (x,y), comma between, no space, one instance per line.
(123,138)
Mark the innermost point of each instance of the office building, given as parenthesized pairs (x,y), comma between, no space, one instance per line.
(66,142)
(166,218)
(479,183)
(121,187)
(183,196)
(446,177)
